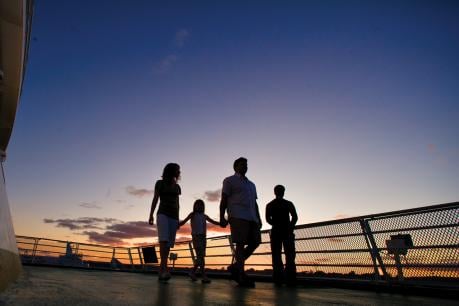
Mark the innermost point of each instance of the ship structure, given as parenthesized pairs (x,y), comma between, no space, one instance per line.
(15,26)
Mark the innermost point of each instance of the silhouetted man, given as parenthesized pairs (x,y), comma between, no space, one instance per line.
(239,198)
(281,214)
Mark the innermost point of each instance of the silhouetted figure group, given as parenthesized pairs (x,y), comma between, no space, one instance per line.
(239,203)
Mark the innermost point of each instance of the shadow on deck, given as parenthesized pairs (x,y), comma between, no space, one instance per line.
(60,286)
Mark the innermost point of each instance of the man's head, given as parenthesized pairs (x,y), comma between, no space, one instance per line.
(240,165)
(279,191)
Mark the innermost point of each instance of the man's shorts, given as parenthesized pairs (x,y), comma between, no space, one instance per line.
(244,231)
(167,228)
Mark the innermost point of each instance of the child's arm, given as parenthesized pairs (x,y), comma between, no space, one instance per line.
(212,220)
(186,220)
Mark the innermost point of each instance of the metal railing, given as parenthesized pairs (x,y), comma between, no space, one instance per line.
(352,248)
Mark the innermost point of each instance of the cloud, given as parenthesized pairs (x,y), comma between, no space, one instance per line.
(181,37)
(81,223)
(185,229)
(103,239)
(140,193)
(165,64)
(213,196)
(106,230)
(90,205)
(133,229)
(116,233)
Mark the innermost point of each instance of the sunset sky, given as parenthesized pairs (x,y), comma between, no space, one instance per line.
(352,106)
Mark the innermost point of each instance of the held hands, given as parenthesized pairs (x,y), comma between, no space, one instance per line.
(151,220)
(223,222)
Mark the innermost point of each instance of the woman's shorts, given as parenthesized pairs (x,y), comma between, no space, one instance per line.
(167,228)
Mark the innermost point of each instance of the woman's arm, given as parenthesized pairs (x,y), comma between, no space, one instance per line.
(153,207)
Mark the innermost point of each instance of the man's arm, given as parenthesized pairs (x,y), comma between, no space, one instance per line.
(268,215)
(258,215)
(294,215)
(223,207)
(256,204)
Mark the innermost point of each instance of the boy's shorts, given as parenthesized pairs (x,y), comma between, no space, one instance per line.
(167,228)
(244,231)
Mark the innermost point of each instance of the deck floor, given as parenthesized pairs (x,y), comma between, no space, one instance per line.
(59,286)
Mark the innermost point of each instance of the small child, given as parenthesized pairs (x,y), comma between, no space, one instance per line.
(198,233)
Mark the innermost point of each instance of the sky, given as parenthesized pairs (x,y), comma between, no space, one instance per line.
(351,105)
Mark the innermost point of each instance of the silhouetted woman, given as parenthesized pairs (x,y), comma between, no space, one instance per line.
(167,191)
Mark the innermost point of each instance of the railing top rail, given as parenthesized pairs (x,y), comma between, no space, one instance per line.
(80,243)
(396,213)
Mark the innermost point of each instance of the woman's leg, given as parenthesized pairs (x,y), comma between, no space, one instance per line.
(164,254)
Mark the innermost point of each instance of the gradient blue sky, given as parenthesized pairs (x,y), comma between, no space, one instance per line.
(351,105)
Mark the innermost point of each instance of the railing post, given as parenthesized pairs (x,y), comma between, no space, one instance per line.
(130,258)
(190,245)
(233,251)
(142,263)
(373,249)
(77,246)
(34,250)
(113,260)
(398,264)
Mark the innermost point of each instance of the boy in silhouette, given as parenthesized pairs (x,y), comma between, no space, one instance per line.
(281,214)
